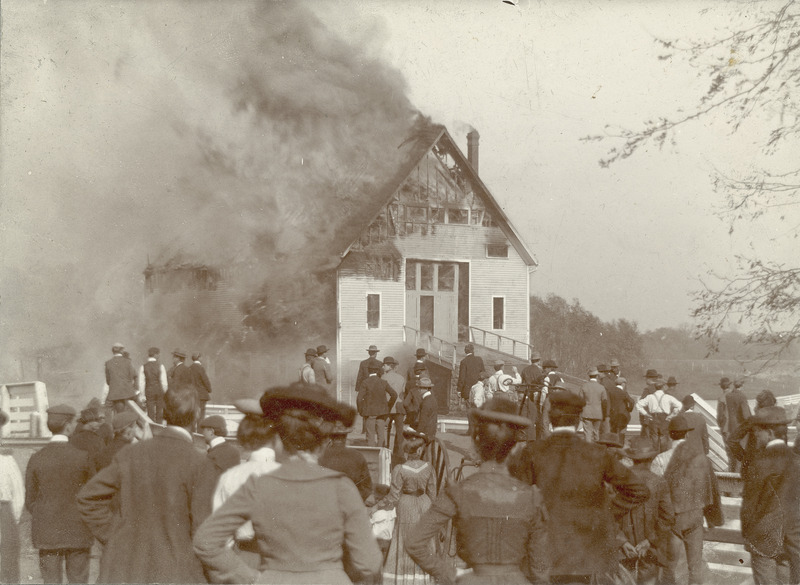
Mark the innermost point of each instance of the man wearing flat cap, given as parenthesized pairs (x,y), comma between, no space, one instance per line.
(572,475)
(468,370)
(770,511)
(322,369)
(428,410)
(732,411)
(179,375)
(695,495)
(224,454)
(501,383)
(120,378)
(53,478)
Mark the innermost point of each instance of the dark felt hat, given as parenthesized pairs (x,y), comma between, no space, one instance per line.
(602,368)
(179,353)
(123,420)
(499,363)
(566,402)
(770,416)
(549,364)
(309,397)
(671,381)
(641,449)
(339,428)
(89,415)
(420,353)
(610,440)
(738,382)
(196,356)
(765,398)
(62,409)
(621,381)
(651,374)
(680,424)
(502,411)
(390,361)
(373,348)
(215,422)
(311,352)
(425,383)
(321,349)
(615,363)
(483,375)
(724,381)
(535,356)
(594,371)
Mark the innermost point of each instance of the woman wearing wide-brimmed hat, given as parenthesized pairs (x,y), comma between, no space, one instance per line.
(310,523)
(500,522)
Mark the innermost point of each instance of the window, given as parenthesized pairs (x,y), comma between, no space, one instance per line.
(373,311)
(459,216)
(425,276)
(411,275)
(498,312)
(447,277)
(497,250)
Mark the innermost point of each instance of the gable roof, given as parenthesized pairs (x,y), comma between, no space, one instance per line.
(417,147)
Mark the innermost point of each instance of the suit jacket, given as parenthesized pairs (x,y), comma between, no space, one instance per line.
(699,434)
(199,379)
(376,397)
(350,462)
(771,504)
(164,487)
(53,478)
(596,399)
(468,372)
(179,376)
(363,370)
(224,456)
(428,416)
(90,442)
(692,483)
(732,411)
(652,519)
(572,473)
(121,378)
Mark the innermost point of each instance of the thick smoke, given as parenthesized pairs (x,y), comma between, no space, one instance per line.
(180,132)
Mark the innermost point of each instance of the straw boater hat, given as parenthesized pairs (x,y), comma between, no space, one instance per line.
(311,398)
(502,411)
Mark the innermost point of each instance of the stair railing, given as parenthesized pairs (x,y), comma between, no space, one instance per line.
(499,342)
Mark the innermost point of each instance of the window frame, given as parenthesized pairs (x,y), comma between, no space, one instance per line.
(502,316)
(488,255)
(378,295)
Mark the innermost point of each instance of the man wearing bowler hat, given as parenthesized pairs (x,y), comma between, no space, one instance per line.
(153,383)
(307,375)
(695,495)
(53,478)
(375,401)
(179,375)
(322,369)
(770,511)
(646,528)
(363,372)
(572,476)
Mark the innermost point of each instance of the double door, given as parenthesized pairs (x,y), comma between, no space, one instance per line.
(432,298)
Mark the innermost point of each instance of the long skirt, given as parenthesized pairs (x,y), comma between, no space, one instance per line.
(399,568)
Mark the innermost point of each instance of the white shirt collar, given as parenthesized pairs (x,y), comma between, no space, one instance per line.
(59,439)
(426,393)
(151,359)
(775,442)
(266,454)
(216,441)
(196,362)
(569,429)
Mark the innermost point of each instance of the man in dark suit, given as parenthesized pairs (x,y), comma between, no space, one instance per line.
(375,400)
(732,411)
(771,500)
(124,426)
(160,478)
(468,371)
(224,454)
(699,432)
(428,418)
(179,375)
(572,475)
(153,382)
(362,367)
(121,379)
(339,457)
(201,383)
(53,478)
(86,438)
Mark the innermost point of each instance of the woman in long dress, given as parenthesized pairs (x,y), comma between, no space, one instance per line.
(310,523)
(500,522)
(412,491)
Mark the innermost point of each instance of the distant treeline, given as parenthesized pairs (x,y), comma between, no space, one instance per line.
(577,339)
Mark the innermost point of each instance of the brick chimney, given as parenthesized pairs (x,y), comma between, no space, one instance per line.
(472,148)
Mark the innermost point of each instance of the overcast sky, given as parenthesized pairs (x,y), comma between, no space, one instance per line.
(107,106)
